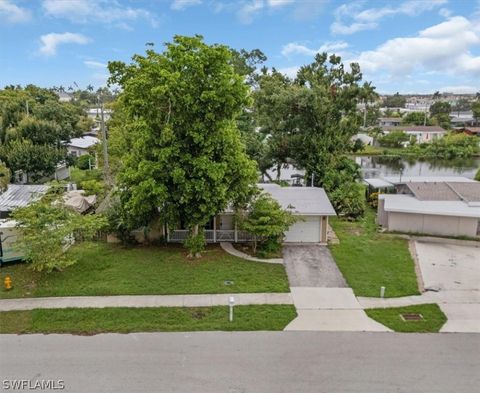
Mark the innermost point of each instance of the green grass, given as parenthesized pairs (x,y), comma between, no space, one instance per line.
(369,260)
(107,269)
(162,319)
(433,317)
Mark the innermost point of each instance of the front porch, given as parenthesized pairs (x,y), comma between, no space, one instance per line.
(211,235)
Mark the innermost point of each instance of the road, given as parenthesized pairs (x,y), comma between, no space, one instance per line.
(264,362)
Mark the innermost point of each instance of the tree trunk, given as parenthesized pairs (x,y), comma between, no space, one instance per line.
(365,115)
(279,168)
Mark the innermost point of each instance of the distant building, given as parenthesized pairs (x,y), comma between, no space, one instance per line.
(79,146)
(471,131)
(389,121)
(19,195)
(64,97)
(422,133)
(443,208)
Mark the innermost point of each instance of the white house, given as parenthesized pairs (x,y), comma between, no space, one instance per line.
(436,208)
(422,133)
(79,146)
(389,121)
(310,204)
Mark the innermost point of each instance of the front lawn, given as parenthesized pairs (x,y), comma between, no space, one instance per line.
(162,319)
(369,260)
(433,318)
(107,269)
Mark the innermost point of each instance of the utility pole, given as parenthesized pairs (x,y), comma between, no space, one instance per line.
(106,168)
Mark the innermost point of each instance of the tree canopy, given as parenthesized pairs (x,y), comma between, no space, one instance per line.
(186,161)
(34,125)
(311,119)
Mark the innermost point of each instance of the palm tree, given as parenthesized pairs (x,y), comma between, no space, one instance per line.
(90,88)
(368,95)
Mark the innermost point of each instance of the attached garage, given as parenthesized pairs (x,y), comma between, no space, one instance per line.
(305,231)
(311,205)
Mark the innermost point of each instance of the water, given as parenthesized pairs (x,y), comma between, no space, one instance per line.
(379,166)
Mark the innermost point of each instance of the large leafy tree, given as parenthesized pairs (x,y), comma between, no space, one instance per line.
(312,118)
(34,125)
(186,161)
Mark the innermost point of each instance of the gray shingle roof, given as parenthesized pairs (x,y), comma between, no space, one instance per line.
(303,201)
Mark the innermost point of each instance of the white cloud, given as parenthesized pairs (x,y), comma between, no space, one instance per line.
(13,13)
(298,49)
(291,72)
(445,12)
(249,9)
(94,64)
(180,5)
(279,3)
(351,18)
(444,48)
(51,41)
(98,11)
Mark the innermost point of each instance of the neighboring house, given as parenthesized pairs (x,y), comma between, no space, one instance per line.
(365,138)
(389,121)
(441,208)
(310,204)
(288,173)
(464,119)
(79,146)
(422,133)
(64,97)
(14,197)
(62,172)
(19,195)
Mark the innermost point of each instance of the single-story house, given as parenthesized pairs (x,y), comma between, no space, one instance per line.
(434,208)
(79,146)
(19,195)
(422,133)
(310,204)
(389,121)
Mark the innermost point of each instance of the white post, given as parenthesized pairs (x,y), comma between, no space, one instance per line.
(168,235)
(382,292)
(236,233)
(231,303)
(214,229)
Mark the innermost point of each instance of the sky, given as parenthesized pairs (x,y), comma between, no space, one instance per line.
(409,46)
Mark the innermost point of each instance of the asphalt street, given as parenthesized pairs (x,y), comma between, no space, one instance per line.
(264,362)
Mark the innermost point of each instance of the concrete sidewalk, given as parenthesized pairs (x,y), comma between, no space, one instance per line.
(145,301)
(330,309)
(228,247)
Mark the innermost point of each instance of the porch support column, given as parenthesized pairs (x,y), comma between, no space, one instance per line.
(236,232)
(168,234)
(214,229)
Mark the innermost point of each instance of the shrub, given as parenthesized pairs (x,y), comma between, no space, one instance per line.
(84,162)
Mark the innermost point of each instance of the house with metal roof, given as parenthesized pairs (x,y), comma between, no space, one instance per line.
(310,204)
(19,195)
(421,133)
(444,208)
(80,146)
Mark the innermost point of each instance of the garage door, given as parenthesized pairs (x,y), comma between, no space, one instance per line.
(306,231)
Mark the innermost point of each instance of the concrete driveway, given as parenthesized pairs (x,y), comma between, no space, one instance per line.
(453,271)
(312,266)
(448,266)
(320,293)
